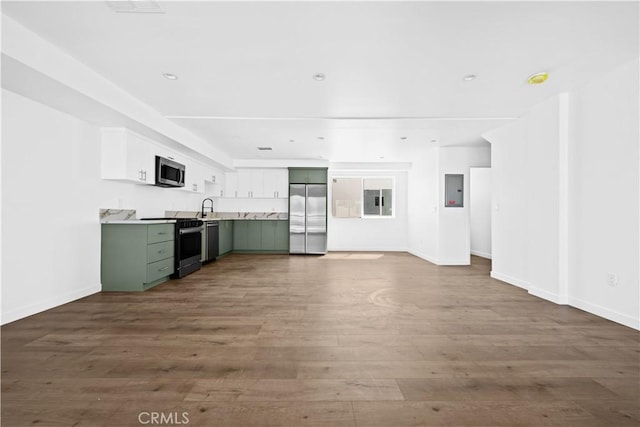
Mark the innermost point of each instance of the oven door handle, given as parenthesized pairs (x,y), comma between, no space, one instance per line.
(191,230)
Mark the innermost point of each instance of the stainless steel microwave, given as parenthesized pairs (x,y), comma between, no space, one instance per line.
(169,173)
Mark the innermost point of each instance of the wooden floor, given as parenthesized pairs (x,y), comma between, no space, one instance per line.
(343,340)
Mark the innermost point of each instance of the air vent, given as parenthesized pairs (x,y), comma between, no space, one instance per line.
(134,6)
(265,148)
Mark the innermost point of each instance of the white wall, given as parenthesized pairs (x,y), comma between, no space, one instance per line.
(454,232)
(509,209)
(423,219)
(438,234)
(370,234)
(604,211)
(558,173)
(542,175)
(51,196)
(480,211)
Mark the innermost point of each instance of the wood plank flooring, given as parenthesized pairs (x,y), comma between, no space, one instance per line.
(276,340)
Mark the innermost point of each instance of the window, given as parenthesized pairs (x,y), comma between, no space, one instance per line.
(346,198)
(377,196)
(362,197)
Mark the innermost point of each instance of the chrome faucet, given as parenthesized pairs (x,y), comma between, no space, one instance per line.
(211,200)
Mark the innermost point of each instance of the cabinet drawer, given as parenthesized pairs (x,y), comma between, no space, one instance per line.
(158,251)
(160,233)
(159,269)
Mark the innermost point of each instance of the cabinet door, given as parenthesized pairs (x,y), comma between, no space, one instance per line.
(225,238)
(298,176)
(269,184)
(218,187)
(282,183)
(126,156)
(254,234)
(268,235)
(231,184)
(244,183)
(194,178)
(240,235)
(317,176)
(140,161)
(281,235)
(276,183)
(257,184)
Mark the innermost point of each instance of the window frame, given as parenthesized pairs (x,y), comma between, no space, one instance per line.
(362,178)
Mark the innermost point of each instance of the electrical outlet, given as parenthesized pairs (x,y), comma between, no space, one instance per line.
(612,279)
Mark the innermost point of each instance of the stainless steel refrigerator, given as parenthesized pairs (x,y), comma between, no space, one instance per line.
(307,218)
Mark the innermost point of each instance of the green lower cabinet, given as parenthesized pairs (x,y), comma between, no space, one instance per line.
(240,236)
(254,235)
(225,237)
(268,236)
(282,236)
(136,257)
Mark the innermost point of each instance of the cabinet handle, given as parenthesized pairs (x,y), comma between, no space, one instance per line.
(161,251)
(163,269)
(162,233)
(144,176)
(236,193)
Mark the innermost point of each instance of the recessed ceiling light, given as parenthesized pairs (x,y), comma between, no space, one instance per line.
(170,76)
(469,77)
(321,138)
(537,78)
(433,141)
(292,140)
(319,77)
(265,148)
(381,157)
(403,138)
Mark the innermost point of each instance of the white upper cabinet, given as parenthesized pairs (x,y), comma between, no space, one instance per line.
(261,183)
(127,156)
(194,177)
(276,183)
(245,183)
(131,157)
(231,184)
(217,181)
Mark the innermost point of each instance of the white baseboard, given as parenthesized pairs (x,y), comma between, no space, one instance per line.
(510,280)
(454,262)
(549,296)
(606,313)
(18,313)
(481,254)
(424,257)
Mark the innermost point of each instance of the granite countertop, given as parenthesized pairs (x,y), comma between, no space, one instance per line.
(128,216)
(216,216)
(139,221)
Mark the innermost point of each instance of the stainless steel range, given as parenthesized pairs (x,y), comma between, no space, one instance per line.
(188,245)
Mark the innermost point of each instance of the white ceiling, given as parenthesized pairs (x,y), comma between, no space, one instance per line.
(393,70)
